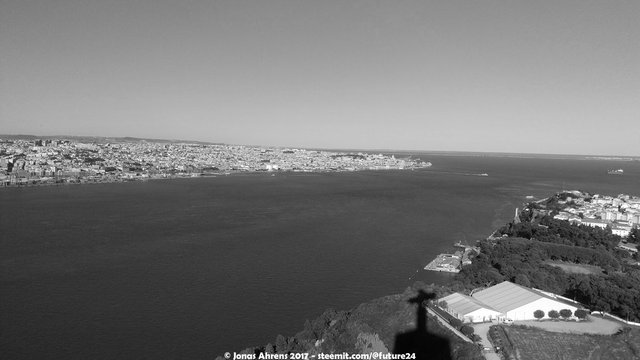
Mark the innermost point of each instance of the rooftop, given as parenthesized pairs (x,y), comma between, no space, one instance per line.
(507,296)
(463,304)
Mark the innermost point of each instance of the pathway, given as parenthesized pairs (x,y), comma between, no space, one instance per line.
(479,329)
(448,326)
(482,330)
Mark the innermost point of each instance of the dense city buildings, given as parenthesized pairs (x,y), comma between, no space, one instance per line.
(51,161)
(620,213)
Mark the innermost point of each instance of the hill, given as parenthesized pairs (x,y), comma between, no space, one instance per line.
(370,327)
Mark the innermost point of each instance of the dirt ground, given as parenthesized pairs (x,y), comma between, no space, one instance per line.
(593,325)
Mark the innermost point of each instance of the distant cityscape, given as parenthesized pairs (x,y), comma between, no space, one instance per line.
(56,161)
(620,213)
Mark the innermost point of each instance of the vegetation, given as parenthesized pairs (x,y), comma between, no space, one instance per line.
(550,230)
(524,343)
(371,326)
(538,314)
(467,330)
(456,323)
(566,313)
(580,314)
(532,249)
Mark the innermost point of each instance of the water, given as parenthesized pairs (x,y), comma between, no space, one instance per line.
(195,267)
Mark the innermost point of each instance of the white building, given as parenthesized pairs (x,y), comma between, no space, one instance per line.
(628,246)
(468,309)
(595,223)
(519,303)
(506,301)
(621,230)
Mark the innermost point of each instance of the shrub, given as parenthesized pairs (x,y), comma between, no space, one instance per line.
(581,314)
(467,330)
(554,314)
(456,323)
(565,313)
(538,314)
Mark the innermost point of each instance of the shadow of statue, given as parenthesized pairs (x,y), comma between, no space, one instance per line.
(419,341)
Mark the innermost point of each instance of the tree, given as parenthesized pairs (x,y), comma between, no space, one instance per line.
(467,330)
(565,313)
(581,314)
(456,323)
(281,344)
(269,349)
(538,314)
(554,314)
(522,279)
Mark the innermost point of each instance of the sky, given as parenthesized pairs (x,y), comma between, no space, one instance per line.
(559,77)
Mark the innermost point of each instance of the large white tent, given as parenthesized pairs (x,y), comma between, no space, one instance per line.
(505,301)
(468,309)
(517,302)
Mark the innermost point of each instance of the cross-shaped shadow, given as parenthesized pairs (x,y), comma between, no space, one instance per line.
(420,342)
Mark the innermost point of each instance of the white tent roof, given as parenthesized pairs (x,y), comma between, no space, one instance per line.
(508,296)
(463,304)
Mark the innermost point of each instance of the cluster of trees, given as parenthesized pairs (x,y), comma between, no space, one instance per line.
(548,229)
(535,251)
(516,263)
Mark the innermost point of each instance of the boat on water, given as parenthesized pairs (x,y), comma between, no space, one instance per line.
(615,172)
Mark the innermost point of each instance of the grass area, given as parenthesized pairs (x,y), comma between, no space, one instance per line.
(524,343)
(576,268)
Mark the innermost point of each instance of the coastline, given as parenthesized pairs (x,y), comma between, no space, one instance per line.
(37,161)
(202,175)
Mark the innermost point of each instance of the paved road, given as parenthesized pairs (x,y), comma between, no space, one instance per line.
(479,329)
(483,331)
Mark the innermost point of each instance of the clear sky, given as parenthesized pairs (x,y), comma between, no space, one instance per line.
(484,75)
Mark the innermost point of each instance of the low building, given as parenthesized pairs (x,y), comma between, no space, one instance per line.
(621,230)
(468,309)
(595,223)
(518,302)
(505,301)
(628,246)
